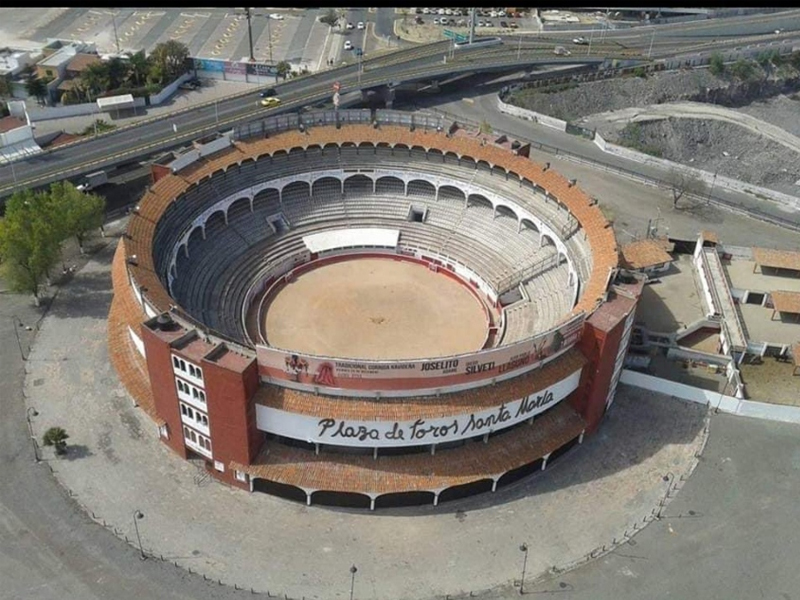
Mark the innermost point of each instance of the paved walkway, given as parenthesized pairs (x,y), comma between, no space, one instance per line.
(586,500)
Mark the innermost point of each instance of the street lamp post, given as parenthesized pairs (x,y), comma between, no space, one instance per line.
(216,112)
(353,571)
(16,331)
(711,189)
(116,39)
(137,514)
(519,46)
(652,38)
(249,33)
(32,412)
(523,548)
(13,171)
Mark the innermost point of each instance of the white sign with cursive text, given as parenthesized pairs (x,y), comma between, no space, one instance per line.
(346,432)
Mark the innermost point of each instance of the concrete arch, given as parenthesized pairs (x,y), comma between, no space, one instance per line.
(237,203)
(345,499)
(297,149)
(479,200)
(315,147)
(418,148)
(330,147)
(326,180)
(421,187)
(282,490)
(358,183)
(451,192)
(528,224)
(401,148)
(217,215)
(547,240)
(501,211)
(499,171)
(366,147)
(413,498)
(468,161)
(436,155)
(466,489)
(266,195)
(389,184)
(281,152)
(348,144)
(296,187)
(483,165)
(520,472)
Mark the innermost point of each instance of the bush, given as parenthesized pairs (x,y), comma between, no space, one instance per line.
(640,72)
(743,69)
(717,64)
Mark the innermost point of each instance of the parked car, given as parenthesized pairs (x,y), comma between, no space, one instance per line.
(92,181)
(276,17)
(350,26)
(581,41)
(514,25)
(418,20)
(561,51)
(360,25)
(267,93)
(504,24)
(348,45)
(270,102)
(418,11)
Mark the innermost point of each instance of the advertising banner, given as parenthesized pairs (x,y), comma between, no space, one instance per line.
(235,68)
(344,432)
(209,64)
(410,374)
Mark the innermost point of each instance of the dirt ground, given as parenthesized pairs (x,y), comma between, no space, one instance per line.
(378,309)
(771,381)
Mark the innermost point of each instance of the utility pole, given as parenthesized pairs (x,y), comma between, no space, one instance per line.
(471,24)
(116,39)
(269,39)
(519,46)
(652,38)
(249,34)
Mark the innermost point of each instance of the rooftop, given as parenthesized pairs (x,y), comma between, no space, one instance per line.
(646,253)
(9,123)
(81,61)
(743,275)
(777,259)
(786,302)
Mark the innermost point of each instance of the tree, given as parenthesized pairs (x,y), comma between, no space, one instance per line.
(168,61)
(35,86)
(716,64)
(330,18)
(682,183)
(743,69)
(283,68)
(77,213)
(5,86)
(138,68)
(29,241)
(95,79)
(57,437)
(118,71)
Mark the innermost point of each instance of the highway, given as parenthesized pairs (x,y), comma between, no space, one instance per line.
(415,63)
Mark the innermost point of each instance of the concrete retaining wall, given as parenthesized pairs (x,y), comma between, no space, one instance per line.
(530,115)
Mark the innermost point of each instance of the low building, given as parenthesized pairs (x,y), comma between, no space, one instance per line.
(13,62)
(647,256)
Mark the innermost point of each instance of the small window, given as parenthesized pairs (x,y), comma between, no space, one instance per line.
(219,466)
(175,362)
(199,374)
(183,365)
(194,393)
(240,475)
(202,396)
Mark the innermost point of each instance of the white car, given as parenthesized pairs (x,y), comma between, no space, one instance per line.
(348,45)
(349,26)
(360,25)
(436,21)
(426,11)
(440,11)
(276,17)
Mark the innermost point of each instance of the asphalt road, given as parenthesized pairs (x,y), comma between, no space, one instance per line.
(414,63)
(731,532)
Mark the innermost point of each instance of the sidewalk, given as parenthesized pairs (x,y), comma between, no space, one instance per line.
(608,488)
(212,89)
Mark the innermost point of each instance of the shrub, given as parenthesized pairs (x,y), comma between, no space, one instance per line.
(717,64)
(743,69)
(640,72)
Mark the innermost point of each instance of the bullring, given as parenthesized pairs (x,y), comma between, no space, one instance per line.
(212,244)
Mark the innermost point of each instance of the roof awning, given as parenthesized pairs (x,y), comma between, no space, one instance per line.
(115,102)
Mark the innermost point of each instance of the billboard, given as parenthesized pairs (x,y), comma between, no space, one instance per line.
(209,64)
(319,371)
(328,429)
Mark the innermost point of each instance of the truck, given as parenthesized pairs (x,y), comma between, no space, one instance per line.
(92,181)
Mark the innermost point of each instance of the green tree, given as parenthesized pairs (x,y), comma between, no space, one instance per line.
(35,86)
(716,64)
(283,68)
(95,79)
(57,437)
(118,71)
(5,86)
(743,69)
(76,213)
(138,68)
(29,241)
(169,60)
(329,18)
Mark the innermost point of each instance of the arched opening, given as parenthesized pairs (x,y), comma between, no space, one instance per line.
(396,499)
(435,155)
(366,148)
(505,213)
(468,162)
(214,224)
(421,189)
(326,186)
(344,499)
(520,473)
(295,150)
(297,191)
(484,166)
(498,171)
(358,185)
(239,209)
(466,489)
(451,158)
(528,225)
(479,201)
(418,153)
(279,154)
(547,240)
(451,193)
(266,201)
(401,149)
(282,490)
(384,150)
(390,186)
(330,149)
(348,151)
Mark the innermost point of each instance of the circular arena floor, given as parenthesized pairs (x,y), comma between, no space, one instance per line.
(375,308)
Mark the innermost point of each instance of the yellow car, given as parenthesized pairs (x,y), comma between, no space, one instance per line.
(270,102)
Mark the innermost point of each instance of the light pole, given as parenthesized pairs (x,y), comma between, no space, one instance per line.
(137,514)
(591,36)
(249,33)
(32,412)
(13,171)
(16,334)
(353,571)
(519,46)
(216,112)
(116,39)
(711,189)
(523,548)
(652,39)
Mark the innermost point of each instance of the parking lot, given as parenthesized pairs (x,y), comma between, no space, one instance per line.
(294,35)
